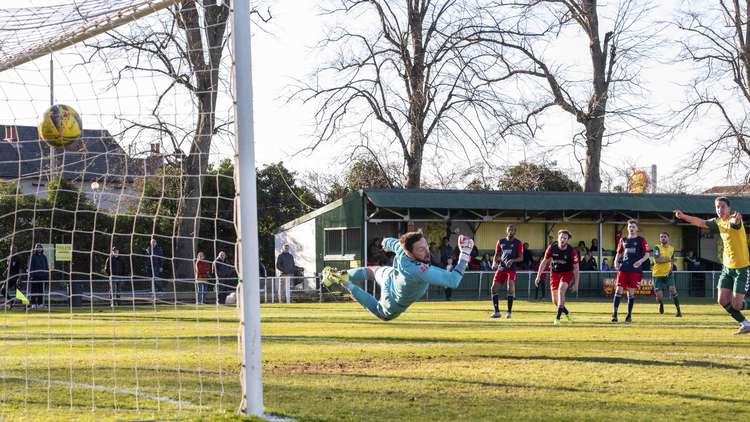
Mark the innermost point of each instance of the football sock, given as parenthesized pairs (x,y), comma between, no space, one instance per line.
(616,303)
(495,302)
(631,302)
(737,315)
(661,302)
(559,311)
(510,303)
(565,310)
(676,302)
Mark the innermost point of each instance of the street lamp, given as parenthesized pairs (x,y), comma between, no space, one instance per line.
(95,189)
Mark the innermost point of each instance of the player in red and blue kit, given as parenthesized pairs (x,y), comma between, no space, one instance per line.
(563,261)
(632,252)
(508,253)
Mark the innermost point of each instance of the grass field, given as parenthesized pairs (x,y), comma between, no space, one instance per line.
(333,361)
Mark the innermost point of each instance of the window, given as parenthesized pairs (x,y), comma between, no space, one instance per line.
(342,241)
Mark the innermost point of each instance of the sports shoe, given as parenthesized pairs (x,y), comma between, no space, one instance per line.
(745,329)
(678,314)
(556,322)
(661,308)
(496,315)
(333,276)
(614,318)
(628,319)
(507,316)
(569,318)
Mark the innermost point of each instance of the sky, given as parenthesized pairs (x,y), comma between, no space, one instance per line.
(283,52)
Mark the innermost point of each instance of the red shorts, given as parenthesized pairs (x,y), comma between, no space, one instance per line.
(503,276)
(557,278)
(629,280)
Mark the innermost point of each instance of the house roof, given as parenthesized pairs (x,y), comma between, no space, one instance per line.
(738,190)
(94,156)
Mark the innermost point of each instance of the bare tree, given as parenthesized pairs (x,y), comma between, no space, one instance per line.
(412,70)
(716,41)
(609,93)
(186,52)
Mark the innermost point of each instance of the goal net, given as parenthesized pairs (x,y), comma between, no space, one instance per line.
(119,252)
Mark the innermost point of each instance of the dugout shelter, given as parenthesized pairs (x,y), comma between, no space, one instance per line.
(340,233)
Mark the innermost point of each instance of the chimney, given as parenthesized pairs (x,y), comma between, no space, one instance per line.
(11,134)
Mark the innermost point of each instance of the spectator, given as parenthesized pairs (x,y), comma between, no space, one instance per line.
(261,266)
(285,262)
(475,264)
(226,279)
(594,245)
(12,274)
(605,265)
(582,249)
(435,255)
(446,251)
(202,274)
(448,290)
(376,254)
(154,265)
(691,262)
(527,257)
(588,263)
(486,264)
(115,268)
(38,276)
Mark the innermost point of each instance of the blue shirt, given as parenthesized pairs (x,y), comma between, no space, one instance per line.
(631,250)
(408,279)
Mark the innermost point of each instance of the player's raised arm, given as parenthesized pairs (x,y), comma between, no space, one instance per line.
(440,277)
(696,221)
(391,244)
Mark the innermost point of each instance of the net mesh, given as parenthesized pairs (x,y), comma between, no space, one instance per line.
(150,329)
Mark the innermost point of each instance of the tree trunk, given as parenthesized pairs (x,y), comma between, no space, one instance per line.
(594,135)
(417,100)
(195,166)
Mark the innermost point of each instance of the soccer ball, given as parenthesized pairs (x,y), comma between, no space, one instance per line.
(60,125)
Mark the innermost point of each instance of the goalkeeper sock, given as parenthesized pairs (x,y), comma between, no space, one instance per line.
(460,267)
(737,315)
(676,303)
(559,311)
(495,302)
(510,303)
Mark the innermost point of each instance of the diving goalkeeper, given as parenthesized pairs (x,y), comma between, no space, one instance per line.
(406,281)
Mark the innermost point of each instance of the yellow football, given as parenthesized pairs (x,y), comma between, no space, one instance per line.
(60,125)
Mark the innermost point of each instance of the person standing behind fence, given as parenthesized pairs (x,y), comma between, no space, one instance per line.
(154,265)
(115,267)
(285,265)
(12,274)
(226,281)
(38,275)
(202,275)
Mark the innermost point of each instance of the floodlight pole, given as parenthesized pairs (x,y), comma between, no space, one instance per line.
(252,386)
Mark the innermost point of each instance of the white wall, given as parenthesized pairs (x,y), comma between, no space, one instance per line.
(301,240)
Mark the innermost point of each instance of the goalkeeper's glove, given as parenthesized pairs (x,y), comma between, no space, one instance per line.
(465,244)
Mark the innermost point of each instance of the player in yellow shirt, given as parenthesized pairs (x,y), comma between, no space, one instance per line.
(663,254)
(734,280)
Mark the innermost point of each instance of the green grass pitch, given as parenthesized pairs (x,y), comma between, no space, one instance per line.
(333,361)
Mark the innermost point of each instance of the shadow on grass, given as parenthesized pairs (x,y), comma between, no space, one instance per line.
(617,361)
(553,388)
